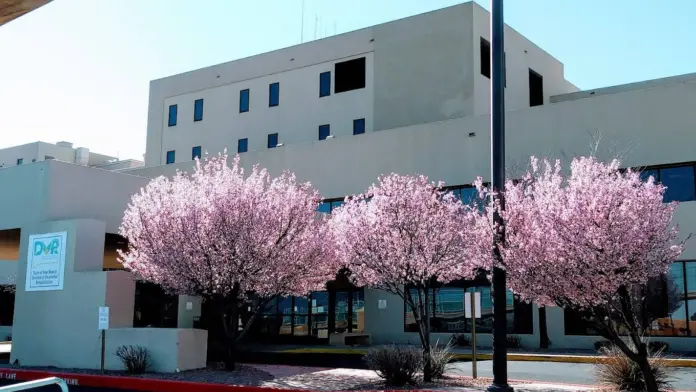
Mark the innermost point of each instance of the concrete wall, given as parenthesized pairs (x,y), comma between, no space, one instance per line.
(185,315)
(39,151)
(27,152)
(171,350)
(59,328)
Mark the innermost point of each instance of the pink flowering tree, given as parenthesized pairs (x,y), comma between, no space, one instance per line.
(225,235)
(406,236)
(589,240)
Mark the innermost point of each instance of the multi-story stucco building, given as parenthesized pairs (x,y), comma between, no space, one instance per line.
(409,96)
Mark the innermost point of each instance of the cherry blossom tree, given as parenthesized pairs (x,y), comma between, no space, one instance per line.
(584,240)
(406,236)
(224,234)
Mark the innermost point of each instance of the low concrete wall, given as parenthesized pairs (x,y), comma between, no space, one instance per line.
(170,349)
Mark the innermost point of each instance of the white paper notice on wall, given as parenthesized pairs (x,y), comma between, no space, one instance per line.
(103,317)
(46,261)
(320,309)
(382,304)
(189,305)
(467,304)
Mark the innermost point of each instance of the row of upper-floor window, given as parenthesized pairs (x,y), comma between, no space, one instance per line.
(350,75)
(679,180)
(20,161)
(324,132)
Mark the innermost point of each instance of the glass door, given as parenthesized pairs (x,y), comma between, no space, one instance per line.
(320,315)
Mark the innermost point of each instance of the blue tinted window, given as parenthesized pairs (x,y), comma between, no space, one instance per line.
(325,84)
(196,152)
(20,161)
(324,131)
(469,195)
(274,94)
(358,126)
(272,140)
(242,145)
(679,182)
(198,110)
(324,208)
(244,101)
(170,157)
(336,204)
(645,174)
(172,115)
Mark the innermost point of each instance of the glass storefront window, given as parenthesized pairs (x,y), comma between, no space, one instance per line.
(679,182)
(320,314)
(358,320)
(285,311)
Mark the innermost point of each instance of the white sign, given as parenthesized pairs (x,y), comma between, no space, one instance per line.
(382,304)
(189,305)
(46,261)
(103,317)
(467,304)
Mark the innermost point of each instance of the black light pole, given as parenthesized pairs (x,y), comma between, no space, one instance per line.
(500,382)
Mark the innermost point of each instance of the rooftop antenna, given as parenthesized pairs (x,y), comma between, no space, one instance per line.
(302,24)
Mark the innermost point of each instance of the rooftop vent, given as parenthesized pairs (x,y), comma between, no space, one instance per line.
(64,144)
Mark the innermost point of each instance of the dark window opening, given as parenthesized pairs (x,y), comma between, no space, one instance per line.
(324,84)
(172,115)
(273,94)
(359,126)
(46,157)
(536,88)
(153,307)
(170,157)
(485,58)
(196,152)
(20,161)
(7,303)
(272,140)
(324,131)
(198,110)
(242,145)
(244,101)
(350,75)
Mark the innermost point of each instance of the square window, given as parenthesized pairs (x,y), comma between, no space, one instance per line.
(170,157)
(324,131)
(359,126)
(244,101)
(272,140)
(679,182)
(198,110)
(273,94)
(350,75)
(196,152)
(324,84)
(20,161)
(485,58)
(172,115)
(242,145)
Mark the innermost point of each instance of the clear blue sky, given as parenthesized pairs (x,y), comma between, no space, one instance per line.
(79,70)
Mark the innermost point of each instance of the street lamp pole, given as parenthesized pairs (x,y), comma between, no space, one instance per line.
(500,382)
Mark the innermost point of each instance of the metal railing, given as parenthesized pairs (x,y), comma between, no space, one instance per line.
(36,384)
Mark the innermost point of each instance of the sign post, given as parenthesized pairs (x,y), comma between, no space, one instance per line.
(103,326)
(472,310)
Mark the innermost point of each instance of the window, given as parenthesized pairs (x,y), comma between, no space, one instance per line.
(20,161)
(324,84)
(242,145)
(671,299)
(485,58)
(679,182)
(359,126)
(244,101)
(324,131)
(170,157)
(324,208)
(272,140)
(273,94)
(350,75)
(46,157)
(447,310)
(7,304)
(198,110)
(172,115)
(536,88)
(196,152)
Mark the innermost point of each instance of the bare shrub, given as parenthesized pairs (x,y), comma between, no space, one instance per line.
(615,369)
(397,365)
(135,359)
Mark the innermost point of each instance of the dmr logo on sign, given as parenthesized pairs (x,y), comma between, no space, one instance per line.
(46,261)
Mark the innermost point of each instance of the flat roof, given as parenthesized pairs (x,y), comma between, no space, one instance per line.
(13,9)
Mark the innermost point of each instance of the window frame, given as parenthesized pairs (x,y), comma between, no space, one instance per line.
(268,141)
(324,127)
(173,154)
(358,121)
(193,153)
(323,93)
(658,172)
(20,161)
(198,116)
(271,102)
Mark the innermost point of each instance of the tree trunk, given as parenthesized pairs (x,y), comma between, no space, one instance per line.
(427,359)
(228,312)
(646,369)
(543,331)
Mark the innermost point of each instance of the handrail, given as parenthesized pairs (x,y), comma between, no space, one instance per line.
(36,384)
